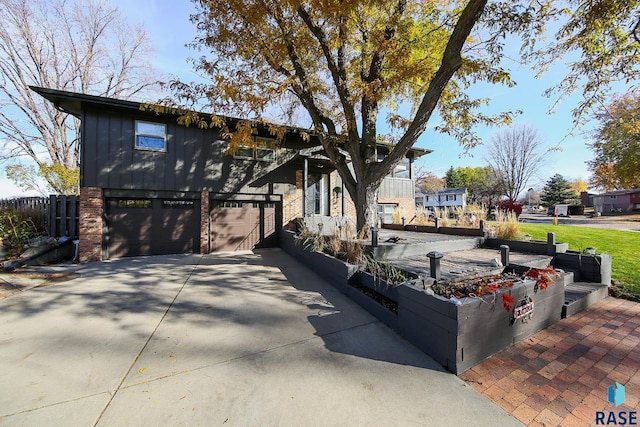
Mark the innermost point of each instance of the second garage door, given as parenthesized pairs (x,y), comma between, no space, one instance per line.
(242,225)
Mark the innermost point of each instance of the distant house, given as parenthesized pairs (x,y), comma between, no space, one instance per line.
(149,185)
(586,199)
(617,200)
(447,198)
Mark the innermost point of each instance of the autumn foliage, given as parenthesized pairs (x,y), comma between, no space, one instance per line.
(510,206)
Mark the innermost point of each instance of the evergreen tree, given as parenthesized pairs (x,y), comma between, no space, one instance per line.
(558,191)
(453,178)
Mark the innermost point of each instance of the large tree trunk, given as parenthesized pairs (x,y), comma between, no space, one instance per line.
(366,202)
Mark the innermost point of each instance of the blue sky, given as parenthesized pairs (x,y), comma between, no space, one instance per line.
(168,25)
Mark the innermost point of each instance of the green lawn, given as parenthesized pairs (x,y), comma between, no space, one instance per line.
(622,245)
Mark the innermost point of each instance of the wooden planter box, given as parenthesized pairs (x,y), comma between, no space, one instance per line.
(398,227)
(586,268)
(461,336)
(377,285)
(529,246)
(456,336)
(338,273)
(461,231)
(371,301)
(422,228)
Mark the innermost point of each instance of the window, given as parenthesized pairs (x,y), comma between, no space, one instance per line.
(318,194)
(402,169)
(151,136)
(266,205)
(262,152)
(385,212)
(177,204)
(230,205)
(244,153)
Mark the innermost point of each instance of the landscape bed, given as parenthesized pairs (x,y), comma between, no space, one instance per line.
(457,334)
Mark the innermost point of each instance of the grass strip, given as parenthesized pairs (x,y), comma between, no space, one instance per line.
(622,245)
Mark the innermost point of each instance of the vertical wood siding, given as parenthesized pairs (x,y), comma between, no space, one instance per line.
(194,159)
(398,188)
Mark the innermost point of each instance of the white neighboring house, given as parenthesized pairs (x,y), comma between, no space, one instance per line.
(447,198)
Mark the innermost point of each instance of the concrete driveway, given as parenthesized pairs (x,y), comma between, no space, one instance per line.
(227,339)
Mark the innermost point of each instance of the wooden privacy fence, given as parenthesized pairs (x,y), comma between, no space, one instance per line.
(24,203)
(63,216)
(60,213)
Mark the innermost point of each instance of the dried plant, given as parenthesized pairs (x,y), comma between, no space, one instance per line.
(396,216)
(422,216)
(507,226)
(354,252)
(335,243)
(471,216)
(442,215)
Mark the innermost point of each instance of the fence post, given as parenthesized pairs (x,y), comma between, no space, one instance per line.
(53,210)
(73,214)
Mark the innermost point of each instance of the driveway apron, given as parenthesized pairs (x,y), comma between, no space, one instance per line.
(225,339)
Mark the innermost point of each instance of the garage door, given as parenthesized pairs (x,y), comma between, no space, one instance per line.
(152,226)
(242,225)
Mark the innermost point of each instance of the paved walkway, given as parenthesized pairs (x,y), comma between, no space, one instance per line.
(228,339)
(560,376)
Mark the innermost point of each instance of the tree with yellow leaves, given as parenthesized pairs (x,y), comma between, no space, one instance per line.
(616,145)
(346,62)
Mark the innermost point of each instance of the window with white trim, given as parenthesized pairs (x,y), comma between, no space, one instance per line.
(230,204)
(385,212)
(151,136)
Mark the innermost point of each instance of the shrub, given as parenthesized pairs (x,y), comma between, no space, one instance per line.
(15,231)
(311,240)
(384,270)
(510,206)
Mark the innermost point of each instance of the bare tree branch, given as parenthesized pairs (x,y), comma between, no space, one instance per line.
(515,154)
(83,46)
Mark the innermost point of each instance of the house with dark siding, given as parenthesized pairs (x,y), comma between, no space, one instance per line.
(149,185)
(617,200)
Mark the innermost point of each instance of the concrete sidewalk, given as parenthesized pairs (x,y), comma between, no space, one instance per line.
(227,339)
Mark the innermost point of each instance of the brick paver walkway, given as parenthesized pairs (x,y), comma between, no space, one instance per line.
(560,376)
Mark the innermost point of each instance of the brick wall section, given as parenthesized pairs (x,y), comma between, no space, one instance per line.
(205,218)
(91,224)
